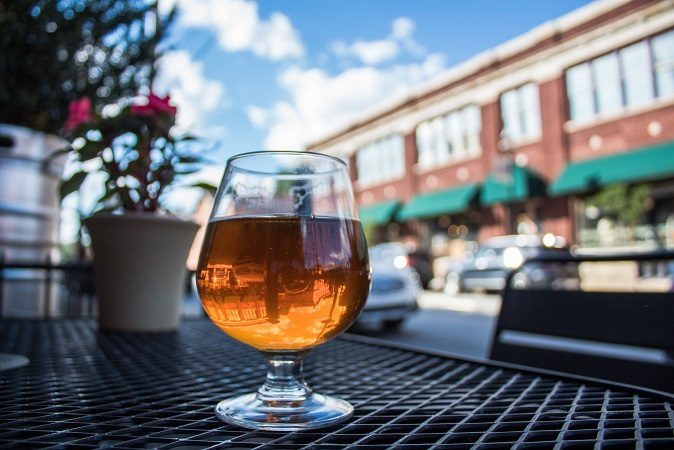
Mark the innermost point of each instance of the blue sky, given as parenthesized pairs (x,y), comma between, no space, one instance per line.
(250,75)
(308,67)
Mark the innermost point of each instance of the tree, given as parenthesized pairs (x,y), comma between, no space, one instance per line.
(55,51)
(628,205)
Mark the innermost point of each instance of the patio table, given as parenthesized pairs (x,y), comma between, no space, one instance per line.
(89,389)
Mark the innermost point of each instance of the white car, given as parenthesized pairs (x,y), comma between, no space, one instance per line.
(394,291)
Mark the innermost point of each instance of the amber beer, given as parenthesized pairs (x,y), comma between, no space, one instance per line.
(283,282)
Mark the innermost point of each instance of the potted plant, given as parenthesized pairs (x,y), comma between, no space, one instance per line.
(52,53)
(139,249)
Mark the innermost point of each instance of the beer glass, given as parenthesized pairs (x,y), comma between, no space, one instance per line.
(284,267)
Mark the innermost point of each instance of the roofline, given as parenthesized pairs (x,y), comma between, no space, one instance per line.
(488,58)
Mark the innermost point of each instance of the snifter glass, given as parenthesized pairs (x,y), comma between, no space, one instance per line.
(284,267)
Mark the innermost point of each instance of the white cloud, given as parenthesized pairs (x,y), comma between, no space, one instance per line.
(321,103)
(402,28)
(194,94)
(382,50)
(375,52)
(239,27)
(258,116)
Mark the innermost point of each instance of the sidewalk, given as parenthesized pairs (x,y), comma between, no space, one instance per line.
(483,304)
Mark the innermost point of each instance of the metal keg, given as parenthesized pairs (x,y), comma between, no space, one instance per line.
(29,215)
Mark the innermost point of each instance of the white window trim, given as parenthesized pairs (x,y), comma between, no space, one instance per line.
(571,126)
(367,183)
(423,170)
(357,184)
(656,102)
(520,141)
(470,153)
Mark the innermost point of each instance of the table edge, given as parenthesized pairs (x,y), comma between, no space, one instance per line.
(509,366)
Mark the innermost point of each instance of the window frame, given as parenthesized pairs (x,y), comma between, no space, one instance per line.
(656,95)
(369,155)
(524,136)
(428,131)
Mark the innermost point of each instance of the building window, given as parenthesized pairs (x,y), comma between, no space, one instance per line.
(381,161)
(580,91)
(635,63)
(663,64)
(630,77)
(520,111)
(450,138)
(608,97)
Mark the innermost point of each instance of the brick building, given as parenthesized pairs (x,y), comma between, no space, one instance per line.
(518,137)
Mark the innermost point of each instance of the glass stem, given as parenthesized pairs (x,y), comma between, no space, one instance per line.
(284,383)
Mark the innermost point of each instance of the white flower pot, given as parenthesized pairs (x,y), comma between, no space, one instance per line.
(139,268)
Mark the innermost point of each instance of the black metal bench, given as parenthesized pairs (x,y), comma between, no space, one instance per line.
(626,337)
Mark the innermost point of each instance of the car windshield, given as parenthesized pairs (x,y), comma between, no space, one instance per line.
(386,253)
(489,252)
(495,252)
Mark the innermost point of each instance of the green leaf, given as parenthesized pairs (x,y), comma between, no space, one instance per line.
(187,159)
(187,137)
(72,184)
(205,186)
(109,193)
(89,151)
(186,171)
(106,210)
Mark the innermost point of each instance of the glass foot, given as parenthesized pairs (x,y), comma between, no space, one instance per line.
(251,411)
(9,361)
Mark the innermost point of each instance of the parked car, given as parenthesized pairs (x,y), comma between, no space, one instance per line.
(488,268)
(394,291)
(399,255)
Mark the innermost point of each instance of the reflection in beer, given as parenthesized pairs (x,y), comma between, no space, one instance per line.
(283,282)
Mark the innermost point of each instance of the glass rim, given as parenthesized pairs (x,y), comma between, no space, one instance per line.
(233,159)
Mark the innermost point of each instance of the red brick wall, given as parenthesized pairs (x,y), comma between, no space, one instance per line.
(538,158)
(557,217)
(491,222)
(553,154)
(448,176)
(399,188)
(622,134)
(490,135)
(411,158)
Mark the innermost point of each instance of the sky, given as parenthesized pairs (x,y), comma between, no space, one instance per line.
(250,75)
(260,75)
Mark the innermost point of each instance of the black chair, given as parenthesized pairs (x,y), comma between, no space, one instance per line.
(627,337)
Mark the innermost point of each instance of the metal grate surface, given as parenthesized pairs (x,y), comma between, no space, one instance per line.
(86,389)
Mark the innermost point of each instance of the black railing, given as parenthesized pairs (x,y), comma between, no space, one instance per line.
(649,263)
(74,278)
(658,255)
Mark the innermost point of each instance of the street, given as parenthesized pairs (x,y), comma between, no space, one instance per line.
(461,324)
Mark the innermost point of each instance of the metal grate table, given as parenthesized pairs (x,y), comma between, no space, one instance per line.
(85,389)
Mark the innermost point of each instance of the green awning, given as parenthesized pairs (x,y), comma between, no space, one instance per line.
(649,163)
(520,184)
(437,203)
(378,214)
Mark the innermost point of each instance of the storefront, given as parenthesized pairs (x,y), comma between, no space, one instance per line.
(624,200)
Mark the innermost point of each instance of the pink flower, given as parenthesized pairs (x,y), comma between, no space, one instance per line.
(155,105)
(79,112)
